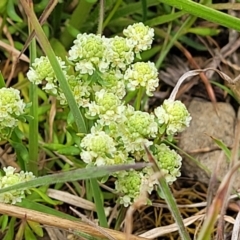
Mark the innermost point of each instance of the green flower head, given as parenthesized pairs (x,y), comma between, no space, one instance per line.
(120,52)
(97,147)
(113,82)
(11,107)
(168,161)
(141,35)
(42,70)
(142,74)
(174,115)
(131,184)
(107,106)
(143,124)
(88,52)
(11,178)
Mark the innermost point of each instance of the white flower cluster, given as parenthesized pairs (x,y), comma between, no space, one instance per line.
(104,73)
(11,178)
(172,116)
(11,108)
(108,62)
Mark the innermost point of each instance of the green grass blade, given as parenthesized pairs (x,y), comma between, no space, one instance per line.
(164,18)
(74,175)
(205,12)
(33,124)
(98,200)
(144,10)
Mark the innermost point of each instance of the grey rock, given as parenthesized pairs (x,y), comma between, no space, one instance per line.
(196,140)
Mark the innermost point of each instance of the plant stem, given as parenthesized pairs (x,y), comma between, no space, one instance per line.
(32,165)
(101,17)
(139,98)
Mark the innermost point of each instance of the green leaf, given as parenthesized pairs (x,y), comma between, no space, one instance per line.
(36,227)
(2,82)
(45,197)
(164,18)
(74,175)
(69,151)
(226,89)
(10,231)
(191,43)
(4,222)
(11,12)
(205,12)
(21,230)
(202,31)
(29,234)
(21,151)
(53,146)
(144,10)
(221,144)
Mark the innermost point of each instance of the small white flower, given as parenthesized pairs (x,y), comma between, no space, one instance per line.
(120,52)
(41,70)
(142,74)
(131,184)
(11,107)
(97,146)
(168,161)
(173,115)
(107,106)
(88,53)
(141,35)
(11,178)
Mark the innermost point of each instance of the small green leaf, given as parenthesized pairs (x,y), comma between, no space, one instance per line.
(2,82)
(10,231)
(21,151)
(69,151)
(53,146)
(164,18)
(45,197)
(21,230)
(4,222)
(36,227)
(11,12)
(29,234)
(221,144)
(204,31)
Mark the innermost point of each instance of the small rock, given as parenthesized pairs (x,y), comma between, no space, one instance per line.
(196,140)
